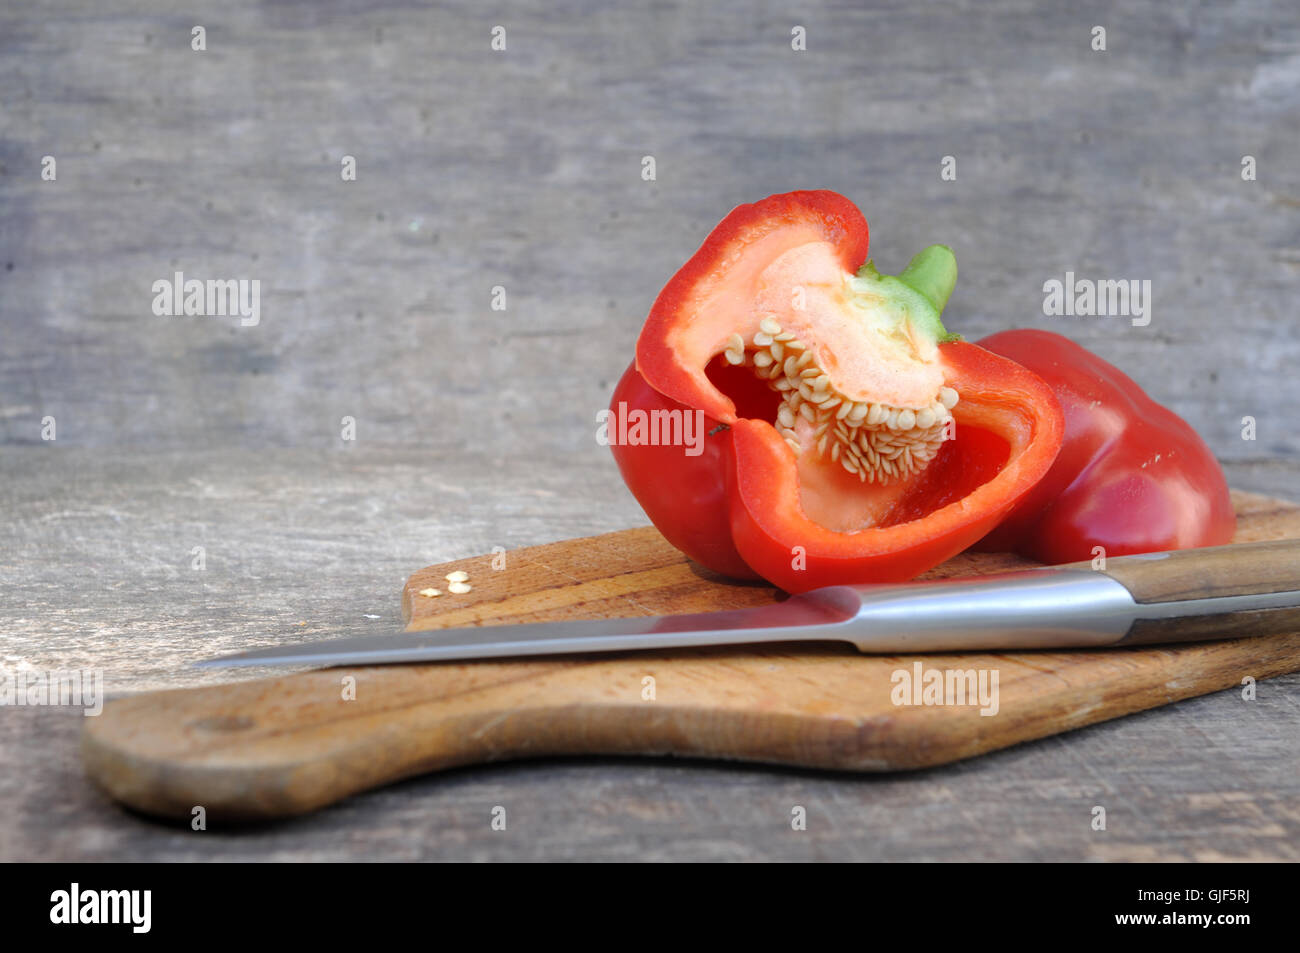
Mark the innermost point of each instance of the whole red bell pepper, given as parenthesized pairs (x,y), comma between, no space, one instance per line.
(1132,476)
(843,434)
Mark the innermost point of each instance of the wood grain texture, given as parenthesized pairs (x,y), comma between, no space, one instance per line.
(1213,626)
(1212,572)
(523,169)
(96,568)
(283,746)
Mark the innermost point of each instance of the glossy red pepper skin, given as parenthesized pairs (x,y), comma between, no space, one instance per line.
(1131,477)
(686,497)
(736,508)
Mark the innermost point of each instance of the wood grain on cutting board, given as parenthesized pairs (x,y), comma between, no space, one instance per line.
(287,745)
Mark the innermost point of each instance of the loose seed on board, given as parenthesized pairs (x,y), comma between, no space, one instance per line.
(459,588)
(430,593)
(459,575)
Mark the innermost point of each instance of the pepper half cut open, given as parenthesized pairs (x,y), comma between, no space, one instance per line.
(850,438)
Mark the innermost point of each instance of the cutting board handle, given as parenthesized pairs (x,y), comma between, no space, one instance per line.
(277,747)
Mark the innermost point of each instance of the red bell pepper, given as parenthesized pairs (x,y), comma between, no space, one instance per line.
(847,437)
(1132,476)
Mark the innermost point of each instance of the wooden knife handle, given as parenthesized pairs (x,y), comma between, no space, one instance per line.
(1213,572)
(1240,570)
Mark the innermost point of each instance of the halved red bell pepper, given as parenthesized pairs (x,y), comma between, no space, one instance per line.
(849,437)
(1132,476)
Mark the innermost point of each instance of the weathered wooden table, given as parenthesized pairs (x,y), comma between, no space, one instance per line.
(309,544)
(522,170)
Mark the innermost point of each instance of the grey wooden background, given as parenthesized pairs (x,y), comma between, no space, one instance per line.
(475,427)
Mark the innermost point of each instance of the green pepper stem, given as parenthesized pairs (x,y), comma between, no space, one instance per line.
(932,273)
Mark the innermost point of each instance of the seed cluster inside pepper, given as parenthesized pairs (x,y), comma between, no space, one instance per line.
(873,440)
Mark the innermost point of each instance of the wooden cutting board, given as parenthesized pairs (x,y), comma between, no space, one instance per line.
(287,745)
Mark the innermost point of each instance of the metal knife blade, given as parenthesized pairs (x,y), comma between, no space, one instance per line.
(1039,608)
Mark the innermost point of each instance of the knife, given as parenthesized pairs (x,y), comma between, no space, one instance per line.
(1188,595)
